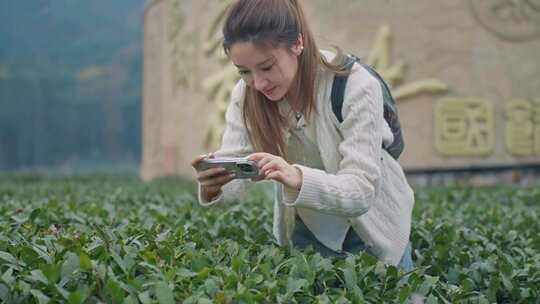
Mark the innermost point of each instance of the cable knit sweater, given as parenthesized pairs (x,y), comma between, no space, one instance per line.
(361,181)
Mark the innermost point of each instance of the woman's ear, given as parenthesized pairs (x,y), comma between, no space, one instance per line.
(298,47)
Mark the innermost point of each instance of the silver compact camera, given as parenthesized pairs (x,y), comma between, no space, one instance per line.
(241,166)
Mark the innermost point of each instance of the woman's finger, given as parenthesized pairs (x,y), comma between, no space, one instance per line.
(267,172)
(258,156)
(275,175)
(218,181)
(262,162)
(197,159)
(274,165)
(211,173)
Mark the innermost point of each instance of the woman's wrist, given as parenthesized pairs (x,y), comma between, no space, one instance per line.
(298,185)
(209,195)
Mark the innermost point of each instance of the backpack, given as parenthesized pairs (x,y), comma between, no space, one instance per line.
(390,109)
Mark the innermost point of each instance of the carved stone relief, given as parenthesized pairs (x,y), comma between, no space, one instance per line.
(464,127)
(183,47)
(219,85)
(513,20)
(393,74)
(522,131)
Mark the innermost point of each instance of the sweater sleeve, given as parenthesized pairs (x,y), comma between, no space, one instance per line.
(235,143)
(353,188)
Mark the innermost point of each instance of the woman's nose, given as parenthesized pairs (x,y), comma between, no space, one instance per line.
(259,82)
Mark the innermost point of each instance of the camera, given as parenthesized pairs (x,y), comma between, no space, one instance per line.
(242,167)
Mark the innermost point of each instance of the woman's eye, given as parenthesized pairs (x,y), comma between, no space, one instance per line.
(243,72)
(268,68)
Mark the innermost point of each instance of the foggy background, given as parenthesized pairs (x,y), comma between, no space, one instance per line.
(70,86)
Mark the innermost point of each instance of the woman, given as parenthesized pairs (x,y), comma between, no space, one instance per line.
(336,188)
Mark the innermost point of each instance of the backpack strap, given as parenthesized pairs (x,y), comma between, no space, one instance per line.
(338,87)
(390,110)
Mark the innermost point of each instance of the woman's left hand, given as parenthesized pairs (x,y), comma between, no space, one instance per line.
(276,168)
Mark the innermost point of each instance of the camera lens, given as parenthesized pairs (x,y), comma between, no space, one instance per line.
(245,167)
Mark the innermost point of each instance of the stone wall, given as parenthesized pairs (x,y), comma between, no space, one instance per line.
(465,73)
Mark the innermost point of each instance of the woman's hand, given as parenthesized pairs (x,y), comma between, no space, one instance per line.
(211,180)
(276,168)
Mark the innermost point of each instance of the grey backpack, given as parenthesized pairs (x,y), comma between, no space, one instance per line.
(390,109)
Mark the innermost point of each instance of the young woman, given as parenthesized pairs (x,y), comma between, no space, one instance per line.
(336,188)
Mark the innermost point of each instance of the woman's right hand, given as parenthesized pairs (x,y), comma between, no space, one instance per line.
(211,180)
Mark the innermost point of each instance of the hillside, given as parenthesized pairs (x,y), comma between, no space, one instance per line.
(70,83)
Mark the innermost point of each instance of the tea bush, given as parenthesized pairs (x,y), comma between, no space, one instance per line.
(105,240)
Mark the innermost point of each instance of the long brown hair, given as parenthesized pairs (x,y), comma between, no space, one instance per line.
(274,23)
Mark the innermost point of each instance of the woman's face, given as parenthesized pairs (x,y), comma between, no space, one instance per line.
(271,71)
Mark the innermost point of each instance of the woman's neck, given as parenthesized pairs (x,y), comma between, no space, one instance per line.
(293,99)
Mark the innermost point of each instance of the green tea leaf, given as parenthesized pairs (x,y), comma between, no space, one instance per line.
(35,213)
(404,293)
(116,293)
(164,294)
(144,297)
(8,257)
(295,285)
(8,277)
(84,262)
(185,273)
(38,276)
(40,296)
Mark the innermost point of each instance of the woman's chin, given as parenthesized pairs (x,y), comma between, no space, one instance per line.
(275,97)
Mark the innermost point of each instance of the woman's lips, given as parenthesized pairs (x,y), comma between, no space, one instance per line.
(269,91)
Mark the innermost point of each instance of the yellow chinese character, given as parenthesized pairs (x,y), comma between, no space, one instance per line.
(522,131)
(393,73)
(464,127)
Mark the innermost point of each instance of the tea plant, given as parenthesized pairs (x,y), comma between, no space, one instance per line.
(104,240)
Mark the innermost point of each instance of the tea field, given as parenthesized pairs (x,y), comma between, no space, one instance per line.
(106,240)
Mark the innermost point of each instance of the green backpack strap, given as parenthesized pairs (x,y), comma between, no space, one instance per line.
(390,110)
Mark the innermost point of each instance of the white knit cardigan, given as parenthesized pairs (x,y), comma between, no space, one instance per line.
(361,181)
